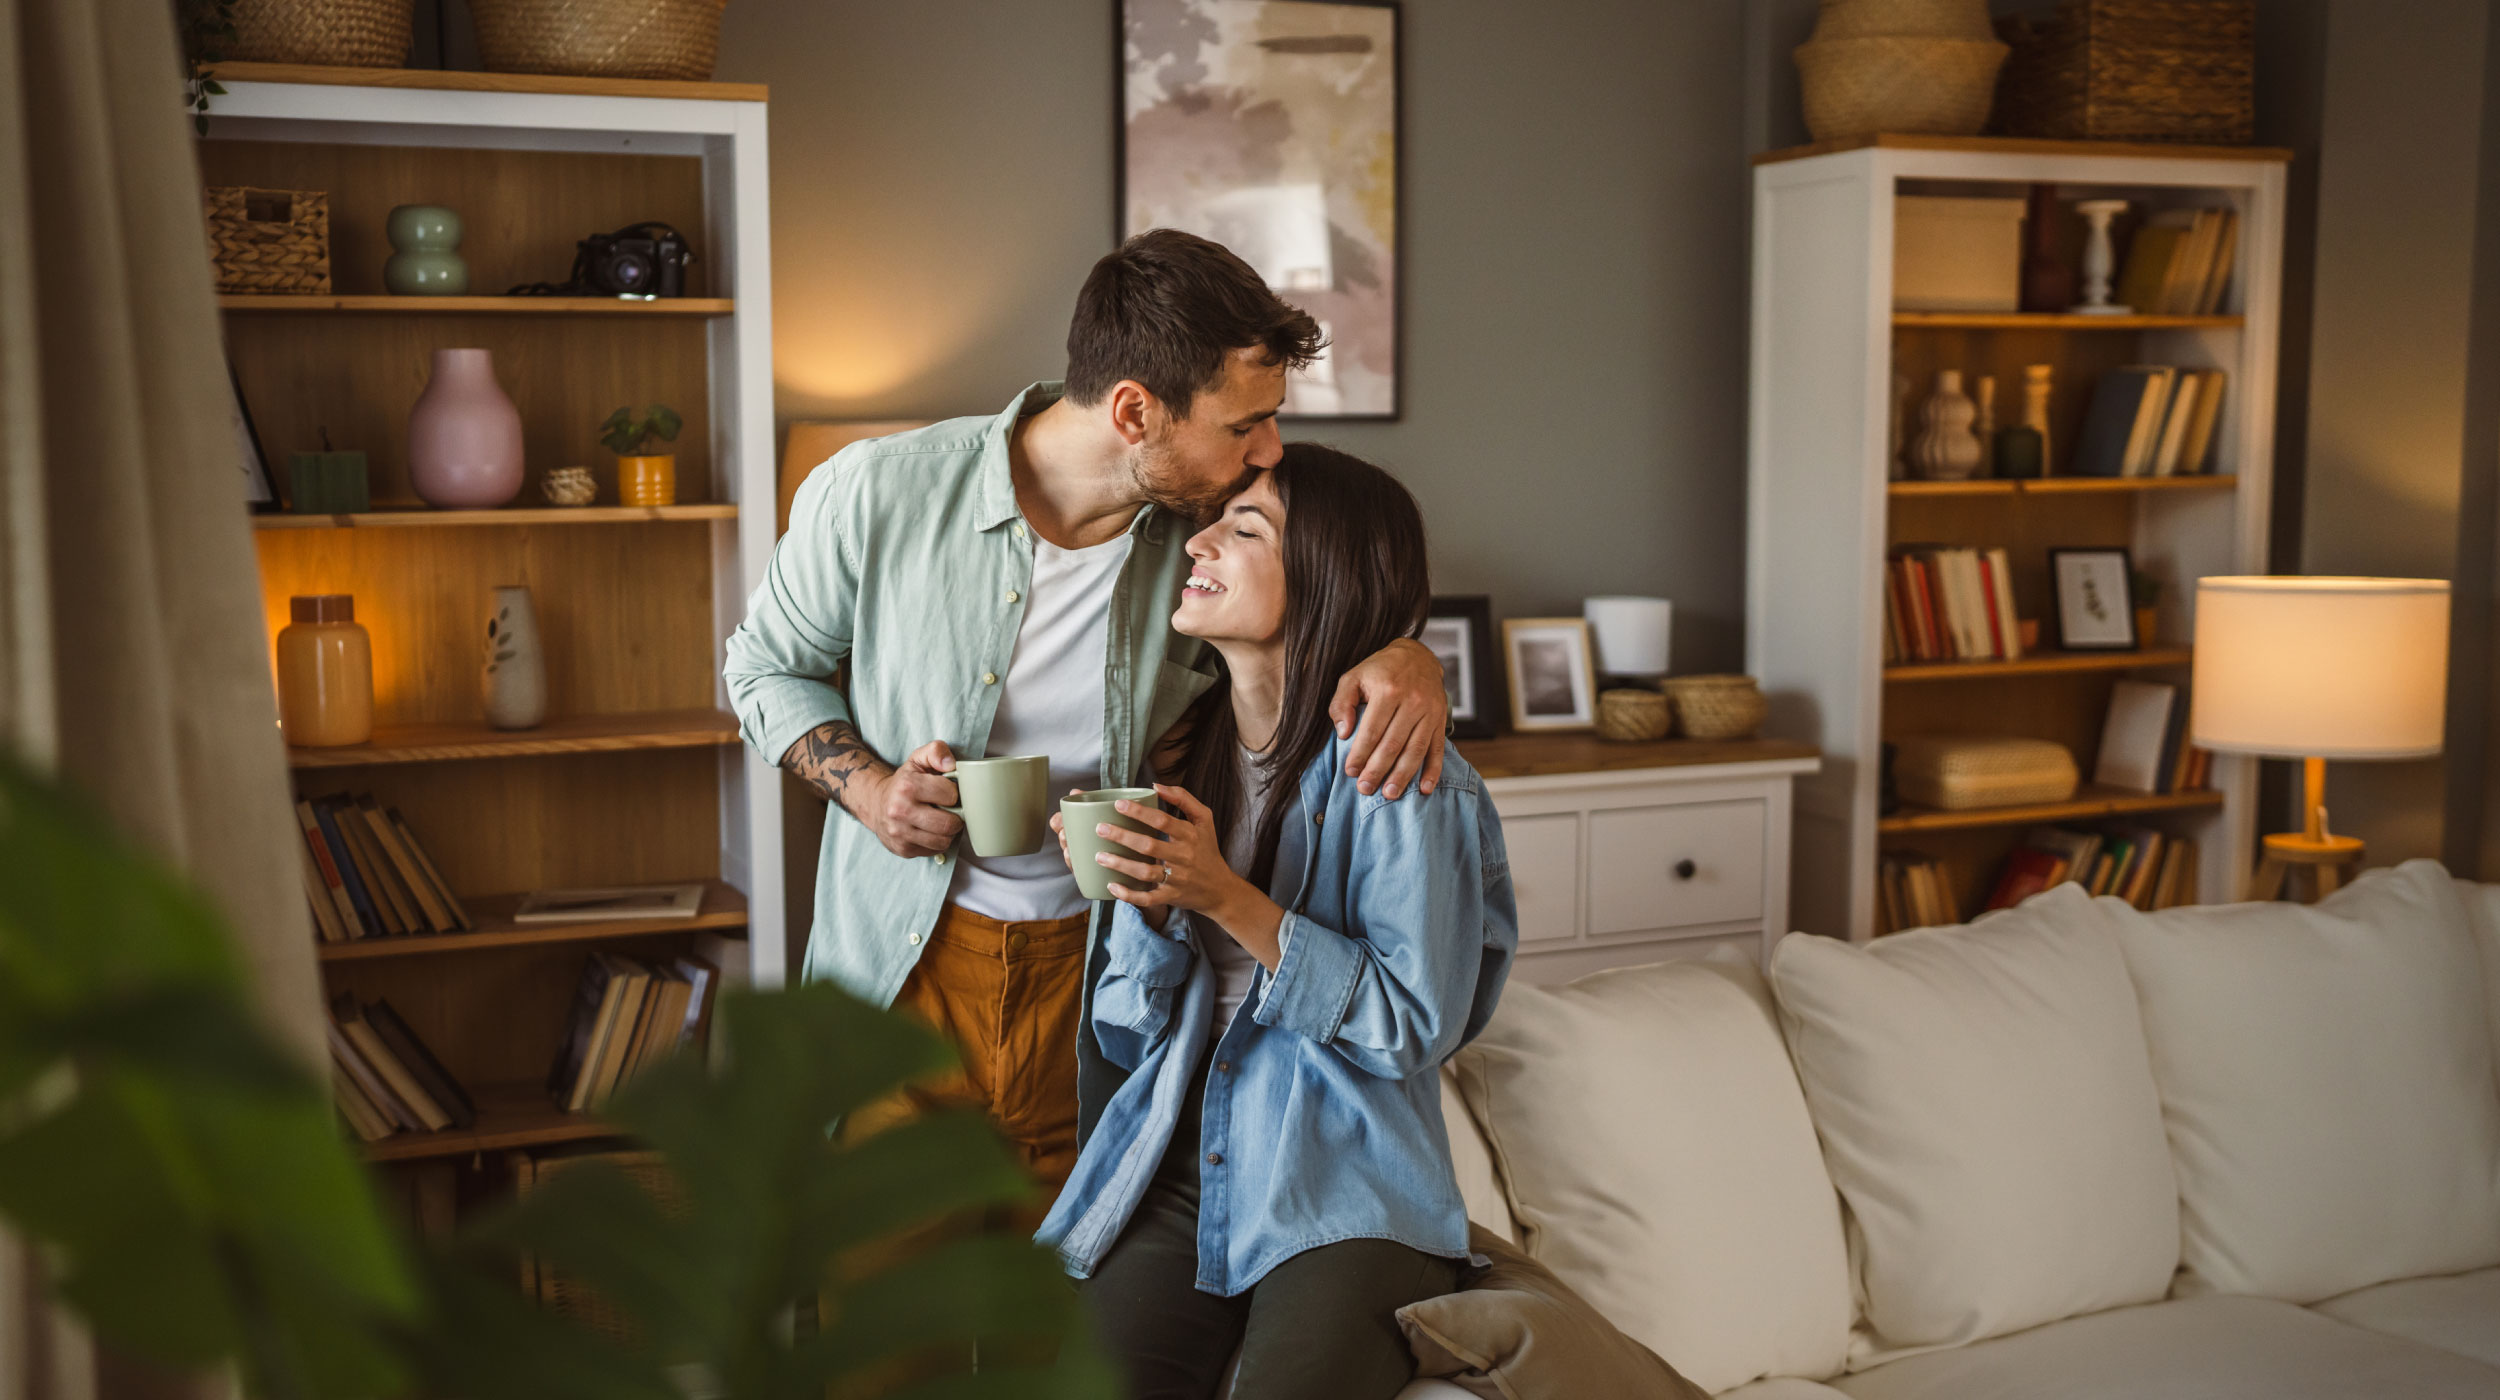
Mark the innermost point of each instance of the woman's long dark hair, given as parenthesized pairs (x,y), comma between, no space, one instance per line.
(1355,581)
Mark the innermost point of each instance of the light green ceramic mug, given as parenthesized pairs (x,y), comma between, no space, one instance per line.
(1085,811)
(1005,803)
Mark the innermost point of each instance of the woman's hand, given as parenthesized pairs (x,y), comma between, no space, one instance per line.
(1183,869)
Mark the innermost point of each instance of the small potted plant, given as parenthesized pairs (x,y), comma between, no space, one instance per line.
(2144,592)
(643,479)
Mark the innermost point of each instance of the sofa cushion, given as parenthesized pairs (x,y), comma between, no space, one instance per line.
(2482,909)
(1478,1185)
(2186,1349)
(2454,1312)
(1516,1332)
(1783,1388)
(1988,1113)
(1657,1155)
(2326,1076)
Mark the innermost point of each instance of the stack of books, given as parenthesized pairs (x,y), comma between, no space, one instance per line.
(385,1080)
(2149,420)
(367,877)
(1949,604)
(2144,744)
(2149,869)
(2179,263)
(1914,891)
(627,1016)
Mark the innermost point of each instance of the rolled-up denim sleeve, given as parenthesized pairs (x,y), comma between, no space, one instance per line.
(781,660)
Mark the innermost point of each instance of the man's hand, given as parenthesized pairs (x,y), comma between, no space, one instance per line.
(1405,712)
(903,806)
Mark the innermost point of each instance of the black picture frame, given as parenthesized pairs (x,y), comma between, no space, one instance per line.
(2088,586)
(260,489)
(1478,698)
(1397,193)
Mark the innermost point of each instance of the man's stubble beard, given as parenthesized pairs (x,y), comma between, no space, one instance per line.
(1161,483)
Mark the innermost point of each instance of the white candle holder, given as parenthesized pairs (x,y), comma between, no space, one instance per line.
(2099,262)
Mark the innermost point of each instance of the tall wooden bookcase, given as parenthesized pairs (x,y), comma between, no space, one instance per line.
(637,775)
(1826,344)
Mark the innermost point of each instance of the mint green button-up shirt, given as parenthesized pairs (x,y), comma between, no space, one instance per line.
(907,558)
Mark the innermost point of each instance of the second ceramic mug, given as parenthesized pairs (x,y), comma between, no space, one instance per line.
(1005,803)
(1087,810)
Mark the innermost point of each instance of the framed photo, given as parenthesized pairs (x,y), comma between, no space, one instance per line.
(1271,126)
(259,488)
(1460,632)
(1553,680)
(2095,607)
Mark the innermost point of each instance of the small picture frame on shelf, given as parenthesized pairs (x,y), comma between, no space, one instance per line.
(2095,609)
(259,487)
(1552,673)
(1460,632)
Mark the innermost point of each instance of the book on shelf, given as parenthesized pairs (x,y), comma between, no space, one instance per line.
(2147,868)
(2149,420)
(1914,890)
(385,1079)
(611,902)
(2179,263)
(626,1017)
(1946,603)
(2144,745)
(368,877)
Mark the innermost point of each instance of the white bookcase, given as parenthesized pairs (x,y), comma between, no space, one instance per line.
(1824,510)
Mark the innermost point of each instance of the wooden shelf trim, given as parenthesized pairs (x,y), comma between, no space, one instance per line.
(2059,321)
(2066,485)
(2089,803)
(436,743)
(449,80)
(523,515)
(508,1116)
(475,306)
(2027,146)
(724,907)
(1546,755)
(2047,663)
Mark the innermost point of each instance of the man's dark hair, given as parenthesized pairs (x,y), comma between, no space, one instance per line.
(1166,309)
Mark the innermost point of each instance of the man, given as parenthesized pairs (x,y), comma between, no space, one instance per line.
(1004,586)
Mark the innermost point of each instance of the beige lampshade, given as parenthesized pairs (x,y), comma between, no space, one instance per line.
(2323,667)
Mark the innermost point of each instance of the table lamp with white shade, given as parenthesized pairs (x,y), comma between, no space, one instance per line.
(2319,668)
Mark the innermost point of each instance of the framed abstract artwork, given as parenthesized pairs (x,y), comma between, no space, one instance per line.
(1271,126)
(1460,633)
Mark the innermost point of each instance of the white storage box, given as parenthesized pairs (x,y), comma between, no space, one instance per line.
(1957,254)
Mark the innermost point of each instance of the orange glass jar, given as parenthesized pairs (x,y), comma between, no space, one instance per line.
(325,673)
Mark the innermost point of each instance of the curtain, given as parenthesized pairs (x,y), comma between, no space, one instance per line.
(133,658)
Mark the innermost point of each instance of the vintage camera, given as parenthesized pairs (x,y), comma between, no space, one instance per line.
(643,261)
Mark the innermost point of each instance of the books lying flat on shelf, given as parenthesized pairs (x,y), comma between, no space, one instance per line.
(1949,604)
(2179,263)
(366,876)
(2144,744)
(2149,420)
(628,1016)
(614,902)
(2147,868)
(385,1080)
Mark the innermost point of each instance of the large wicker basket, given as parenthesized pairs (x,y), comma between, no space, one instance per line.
(1897,83)
(559,1292)
(269,240)
(349,33)
(600,38)
(2133,70)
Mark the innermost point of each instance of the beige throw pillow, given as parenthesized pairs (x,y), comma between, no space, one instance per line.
(1516,1332)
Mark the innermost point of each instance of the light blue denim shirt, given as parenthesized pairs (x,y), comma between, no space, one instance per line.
(1323,1108)
(907,559)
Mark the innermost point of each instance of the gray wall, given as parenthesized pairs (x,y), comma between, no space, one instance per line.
(1574,209)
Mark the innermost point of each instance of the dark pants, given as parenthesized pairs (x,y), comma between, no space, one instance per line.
(1320,1326)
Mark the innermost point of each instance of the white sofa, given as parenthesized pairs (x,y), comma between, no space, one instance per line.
(2069,1150)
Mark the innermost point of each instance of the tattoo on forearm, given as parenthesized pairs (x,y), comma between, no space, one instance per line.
(831,757)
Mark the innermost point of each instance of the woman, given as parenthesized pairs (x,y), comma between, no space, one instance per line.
(1289,964)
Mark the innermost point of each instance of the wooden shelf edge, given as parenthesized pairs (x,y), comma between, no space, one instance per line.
(270,303)
(450,80)
(437,743)
(1552,755)
(724,908)
(2061,320)
(2044,664)
(2026,146)
(2065,485)
(421,517)
(508,1116)
(2090,804)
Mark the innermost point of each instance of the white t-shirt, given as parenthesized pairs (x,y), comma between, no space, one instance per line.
(1049,702)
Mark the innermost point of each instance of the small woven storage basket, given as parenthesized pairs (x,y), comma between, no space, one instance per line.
(1858,87)
(269,240)
(348,33)
(1631,716)
(600,38)
(1956,772)
(558,1292)
(1717,707)
(2133,70)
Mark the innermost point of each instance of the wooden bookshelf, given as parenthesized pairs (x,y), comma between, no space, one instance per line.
(2091,802)
(2046,663)
(254,304)
(508,1116)
(724,907)
(459,80)
(511,515)
(2065,485)
(2060,321)
(443,743)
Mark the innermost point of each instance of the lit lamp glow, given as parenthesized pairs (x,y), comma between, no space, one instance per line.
(2319,668)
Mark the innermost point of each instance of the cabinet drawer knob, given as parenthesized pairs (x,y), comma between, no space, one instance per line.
(1685,869)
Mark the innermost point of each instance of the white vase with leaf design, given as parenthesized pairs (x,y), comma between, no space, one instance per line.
(514,679)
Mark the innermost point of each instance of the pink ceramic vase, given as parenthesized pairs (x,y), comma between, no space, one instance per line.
(464,436)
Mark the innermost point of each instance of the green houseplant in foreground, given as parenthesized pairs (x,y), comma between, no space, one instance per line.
(196,1205)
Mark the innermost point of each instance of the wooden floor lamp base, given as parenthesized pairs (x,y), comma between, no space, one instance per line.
(2327,861)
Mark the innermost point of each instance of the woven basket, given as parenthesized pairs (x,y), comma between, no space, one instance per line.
(600,38)
(1958,772)
(349,33)
(556,1291)
(1717,707)
(2133,70)
(1631,716)
(269,240)
(1858,87)
(1895,19)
